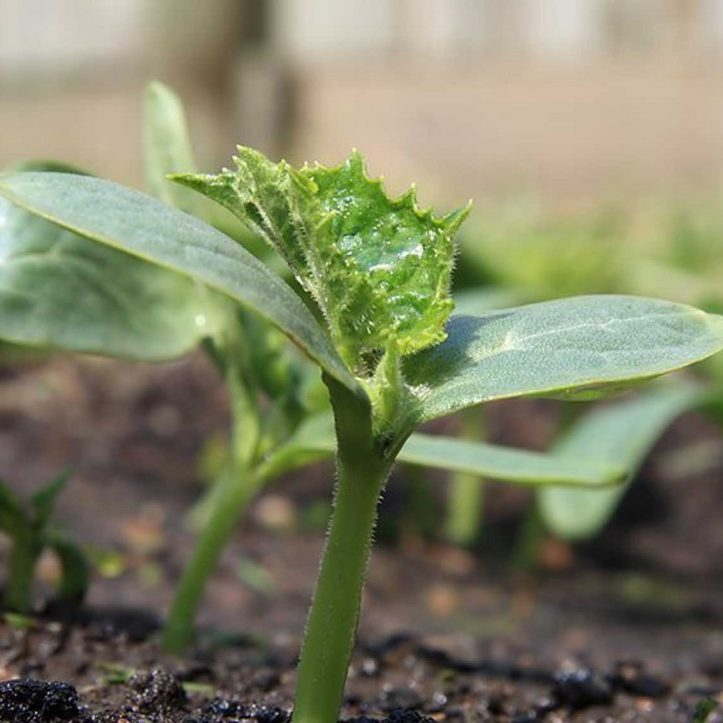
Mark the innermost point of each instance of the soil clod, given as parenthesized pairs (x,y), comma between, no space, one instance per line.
(34,701)
(156,692)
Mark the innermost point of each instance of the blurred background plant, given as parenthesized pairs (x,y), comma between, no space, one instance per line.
(31,529)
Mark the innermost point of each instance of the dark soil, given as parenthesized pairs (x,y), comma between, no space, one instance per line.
(404,677)
(627,629)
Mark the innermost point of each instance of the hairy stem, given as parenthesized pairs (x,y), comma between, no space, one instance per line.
(332,623)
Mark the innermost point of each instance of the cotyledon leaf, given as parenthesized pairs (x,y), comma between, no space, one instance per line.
(58,289)
(315,440)
(575,348)
(622,433)
(142,226)
(167,148)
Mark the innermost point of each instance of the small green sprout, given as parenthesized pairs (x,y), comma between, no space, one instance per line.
(401,366)
(31,531)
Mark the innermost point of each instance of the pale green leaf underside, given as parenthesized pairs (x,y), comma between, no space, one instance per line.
(60,290)
(140,225)
(508,464)
(315,440)
(623,434)
(576,348)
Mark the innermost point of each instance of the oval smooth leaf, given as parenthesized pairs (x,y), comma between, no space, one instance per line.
(315,440)
(508,464)
(142,226)
(623,433)
(58,289)
(575,348)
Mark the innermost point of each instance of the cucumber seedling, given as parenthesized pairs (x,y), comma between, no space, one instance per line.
(61,289)
(392,356)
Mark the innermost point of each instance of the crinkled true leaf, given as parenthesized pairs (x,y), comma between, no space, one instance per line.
(577,348)
(140,225)
(623,434)
(61,290)
(379,268)
(315,440)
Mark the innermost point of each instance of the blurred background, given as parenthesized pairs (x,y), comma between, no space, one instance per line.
(569,99)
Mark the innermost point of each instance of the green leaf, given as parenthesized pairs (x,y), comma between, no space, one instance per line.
(42,502)
(508,464)
(315,440)
(577,348)
(167,148)
(75,570)
(379,268)
(13,520)
(61,290)
(140,225)
(621,434)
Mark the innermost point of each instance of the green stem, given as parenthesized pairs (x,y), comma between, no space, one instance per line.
(19,587)
(464,509)
(228,504)
(466,495)
(332,623)
(228,499)
(530,536)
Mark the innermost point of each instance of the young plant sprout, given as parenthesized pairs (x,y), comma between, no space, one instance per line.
(60,289)
(31,530)
(378,270)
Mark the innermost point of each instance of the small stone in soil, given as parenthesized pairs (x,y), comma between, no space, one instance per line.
(369,668)
(581,688)
(35,701)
